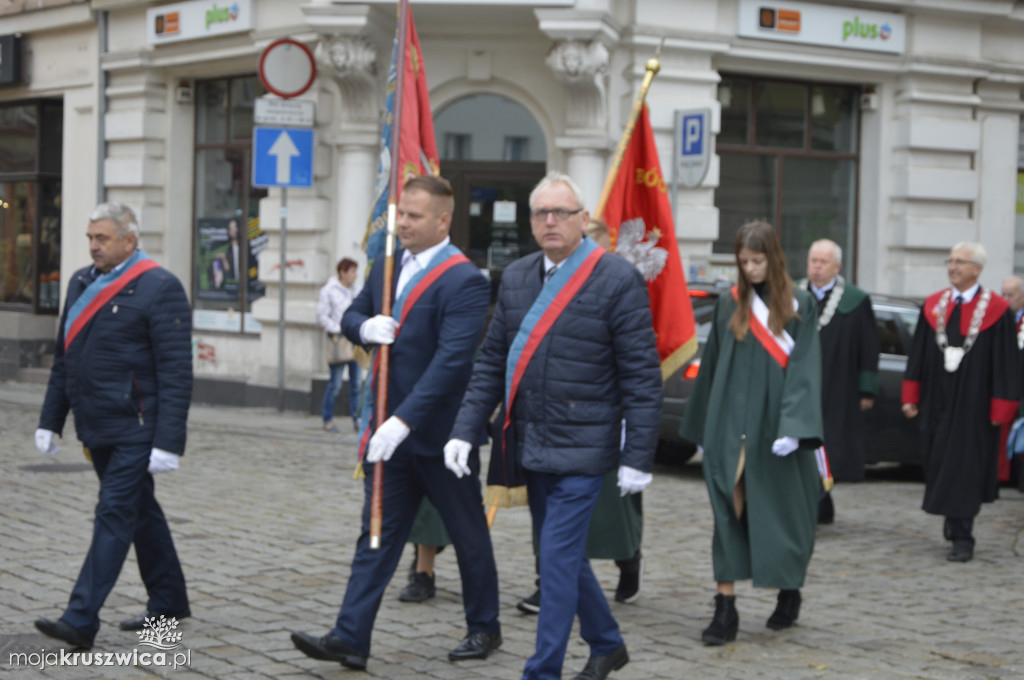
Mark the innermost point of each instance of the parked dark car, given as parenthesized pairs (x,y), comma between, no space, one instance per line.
(890,436)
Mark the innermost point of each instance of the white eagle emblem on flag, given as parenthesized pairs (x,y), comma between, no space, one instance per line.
(645,255)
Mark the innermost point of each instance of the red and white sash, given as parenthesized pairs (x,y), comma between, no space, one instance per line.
(778,346)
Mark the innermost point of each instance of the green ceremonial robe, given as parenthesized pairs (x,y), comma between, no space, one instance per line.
(742,401)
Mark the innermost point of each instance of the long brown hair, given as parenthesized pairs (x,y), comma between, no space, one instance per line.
(760,237)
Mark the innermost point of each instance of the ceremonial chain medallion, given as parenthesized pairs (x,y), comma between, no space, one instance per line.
(833,303)
(952,356)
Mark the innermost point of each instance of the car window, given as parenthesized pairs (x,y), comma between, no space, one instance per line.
(889,338)
(910,320)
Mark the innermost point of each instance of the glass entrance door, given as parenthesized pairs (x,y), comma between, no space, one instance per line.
(492,212)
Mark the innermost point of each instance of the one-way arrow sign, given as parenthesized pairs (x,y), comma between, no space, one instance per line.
(282,157)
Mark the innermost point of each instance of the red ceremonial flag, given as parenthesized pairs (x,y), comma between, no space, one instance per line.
(640,225)
(417,146)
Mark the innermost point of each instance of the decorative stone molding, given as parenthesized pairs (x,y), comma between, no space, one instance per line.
(351,62)
(582,68)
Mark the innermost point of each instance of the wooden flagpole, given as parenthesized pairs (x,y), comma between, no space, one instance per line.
(652,67)
(380,414)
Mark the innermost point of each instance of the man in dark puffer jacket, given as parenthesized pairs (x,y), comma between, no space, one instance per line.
(572,329)
(123,364)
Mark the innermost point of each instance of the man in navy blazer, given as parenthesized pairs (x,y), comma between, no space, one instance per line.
(439,313)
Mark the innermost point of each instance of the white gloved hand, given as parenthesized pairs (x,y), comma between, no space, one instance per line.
(386,439)
(456,456)
(783,446)
(379,330)
(162,461)
(44,442)
(632,480)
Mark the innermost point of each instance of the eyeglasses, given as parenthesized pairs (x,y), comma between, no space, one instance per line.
(560,214)
(958,262)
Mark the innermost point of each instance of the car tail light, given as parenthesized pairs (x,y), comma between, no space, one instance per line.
(691,370)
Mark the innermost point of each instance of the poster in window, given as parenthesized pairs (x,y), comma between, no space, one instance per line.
(226,257)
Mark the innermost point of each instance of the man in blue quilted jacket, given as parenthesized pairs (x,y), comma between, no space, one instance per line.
(571,354)
(123,365)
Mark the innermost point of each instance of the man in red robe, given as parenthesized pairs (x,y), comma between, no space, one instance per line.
(963,378)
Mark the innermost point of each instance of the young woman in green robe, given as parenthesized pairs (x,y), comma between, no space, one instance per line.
(756,411)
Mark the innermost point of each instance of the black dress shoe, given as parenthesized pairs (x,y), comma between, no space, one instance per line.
(826,509)
(62,630)
(419,589)
(787,609)
(329,648)
(477,645)
(598,667)
(960,553)
(139,622)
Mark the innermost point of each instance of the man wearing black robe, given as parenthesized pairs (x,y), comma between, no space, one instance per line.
(963,377)
(849,358)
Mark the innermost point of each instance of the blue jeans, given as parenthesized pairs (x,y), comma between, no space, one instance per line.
(334,389)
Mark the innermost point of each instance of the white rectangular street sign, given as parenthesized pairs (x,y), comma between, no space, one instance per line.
(288,112)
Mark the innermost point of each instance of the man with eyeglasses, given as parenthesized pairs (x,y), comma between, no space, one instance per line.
(571,354)
(963,378)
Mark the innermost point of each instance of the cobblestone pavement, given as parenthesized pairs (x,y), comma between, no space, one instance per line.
(265,513)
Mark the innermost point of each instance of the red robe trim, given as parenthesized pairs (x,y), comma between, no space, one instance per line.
(997,306)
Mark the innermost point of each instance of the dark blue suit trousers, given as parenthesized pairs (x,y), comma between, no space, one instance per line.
(127,513)
(561,506)
(407,478)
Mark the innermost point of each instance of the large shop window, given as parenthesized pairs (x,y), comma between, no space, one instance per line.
(31,135)
(789,153)
(228,239)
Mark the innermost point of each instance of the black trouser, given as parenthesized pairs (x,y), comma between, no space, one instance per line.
(958,530)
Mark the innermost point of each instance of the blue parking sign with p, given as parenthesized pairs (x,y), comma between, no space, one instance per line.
(693,135)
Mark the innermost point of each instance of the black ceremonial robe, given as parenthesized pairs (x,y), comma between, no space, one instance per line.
(957,409)
(849,371)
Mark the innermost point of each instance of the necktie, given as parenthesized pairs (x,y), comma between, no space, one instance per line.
(549,273)
(953,334)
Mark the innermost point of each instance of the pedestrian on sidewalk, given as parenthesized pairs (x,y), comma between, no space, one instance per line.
(123,365)
(335,297)
(756,411)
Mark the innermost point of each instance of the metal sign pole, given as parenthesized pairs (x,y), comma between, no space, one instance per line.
(280,296)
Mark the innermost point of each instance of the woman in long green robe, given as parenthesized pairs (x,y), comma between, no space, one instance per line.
(759,422)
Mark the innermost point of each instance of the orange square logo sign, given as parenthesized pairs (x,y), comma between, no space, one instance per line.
(789,20)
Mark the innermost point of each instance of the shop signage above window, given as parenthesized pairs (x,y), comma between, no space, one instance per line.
(197,19)
(828,25)
(10,59)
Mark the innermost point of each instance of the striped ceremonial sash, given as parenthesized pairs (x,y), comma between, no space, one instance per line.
(100,291)
(553,299)
(441,262)
(778,346)
(824,469)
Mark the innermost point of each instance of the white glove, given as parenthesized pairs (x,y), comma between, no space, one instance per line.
(783,446)
(379,330)
(632,480)
(456,456)
(44,442)
(387,437)
(162,461)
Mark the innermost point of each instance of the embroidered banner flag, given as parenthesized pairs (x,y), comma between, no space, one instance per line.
(417,146)
(640,225)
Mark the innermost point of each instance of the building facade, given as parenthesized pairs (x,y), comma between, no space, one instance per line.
(891,127)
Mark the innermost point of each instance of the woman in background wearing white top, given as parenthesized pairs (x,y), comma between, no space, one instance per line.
(335,297)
